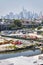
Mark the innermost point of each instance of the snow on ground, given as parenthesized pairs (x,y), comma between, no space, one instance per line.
(22,60)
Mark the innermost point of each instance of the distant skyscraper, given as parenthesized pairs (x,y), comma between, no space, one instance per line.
(11,15)
(7,17)
(24,13)
(40,15)
(35,15)
(21,15)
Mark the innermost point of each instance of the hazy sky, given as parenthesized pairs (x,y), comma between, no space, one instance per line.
(16,6)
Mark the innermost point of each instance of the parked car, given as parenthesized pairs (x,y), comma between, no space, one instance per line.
(17,42)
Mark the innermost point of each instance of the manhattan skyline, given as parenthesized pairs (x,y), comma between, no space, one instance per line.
(16,6)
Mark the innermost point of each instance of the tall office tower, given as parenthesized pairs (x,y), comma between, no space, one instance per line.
(24,13)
